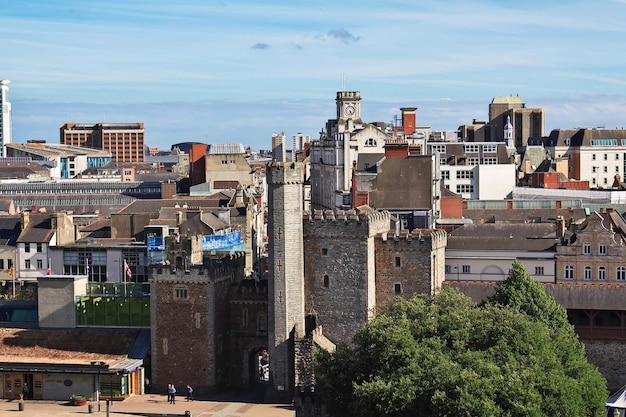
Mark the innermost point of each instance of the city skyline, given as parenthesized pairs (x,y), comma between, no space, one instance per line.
(237,72)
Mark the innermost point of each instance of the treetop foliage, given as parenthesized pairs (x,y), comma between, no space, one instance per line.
(445,356)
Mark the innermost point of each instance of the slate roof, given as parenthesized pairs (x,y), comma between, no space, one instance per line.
(38,229)
(504,236)
(10,227)
(583,137)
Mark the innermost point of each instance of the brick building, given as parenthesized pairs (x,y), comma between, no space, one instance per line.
(124,141)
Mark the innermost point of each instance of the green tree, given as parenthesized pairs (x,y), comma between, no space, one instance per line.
(443,356)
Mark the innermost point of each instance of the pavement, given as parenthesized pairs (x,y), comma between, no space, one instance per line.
(149,405)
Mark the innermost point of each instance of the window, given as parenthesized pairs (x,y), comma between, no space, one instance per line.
(460,175)
(539,270)
(1,263)
(489,148)
(490,161)
(586,248)
(587,273)
(397,262)
(39,264)
(621,273)
(594,169)
(39,248)
(593,181)
(397,288)
(448,269)
(244,316)
(602,273)
(593,156)
(464,188)
(181,292)
(326,282)
(602,249)
(370,142)
(26,247)
(606,157)
(605,169)
(437,148)
(474,161)
(27,264)
(324,251)
(569,272)
(466,269)
(471,148)
(445,175)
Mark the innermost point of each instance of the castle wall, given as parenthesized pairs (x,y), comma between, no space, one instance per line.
(340,269)
(189,330)
(408,265)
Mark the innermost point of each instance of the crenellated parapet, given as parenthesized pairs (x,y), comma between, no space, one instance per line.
(214,268)
(362,221)
(283,173)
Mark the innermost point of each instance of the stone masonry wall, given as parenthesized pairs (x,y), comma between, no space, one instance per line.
(339,273)
(403,268)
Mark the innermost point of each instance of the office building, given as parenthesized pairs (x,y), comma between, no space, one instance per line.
(125,141)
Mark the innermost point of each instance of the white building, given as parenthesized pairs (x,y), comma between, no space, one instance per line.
(594,155)
(475,170)
(297,143)
(5,115)
(485,252)
(333,155)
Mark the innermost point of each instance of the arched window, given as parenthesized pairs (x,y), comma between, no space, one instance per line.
(621,273)
(326,281)
(370,142)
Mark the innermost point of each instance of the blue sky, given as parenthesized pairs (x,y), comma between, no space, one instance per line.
(236,71)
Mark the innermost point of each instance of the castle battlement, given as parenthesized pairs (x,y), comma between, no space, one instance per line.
(362,221)
(285,172)
(429,238)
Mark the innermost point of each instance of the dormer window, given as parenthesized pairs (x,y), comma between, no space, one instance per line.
(370,142)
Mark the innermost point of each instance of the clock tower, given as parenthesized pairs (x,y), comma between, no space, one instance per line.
(348,105)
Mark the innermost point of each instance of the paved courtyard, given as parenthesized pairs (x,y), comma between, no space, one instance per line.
(149,405)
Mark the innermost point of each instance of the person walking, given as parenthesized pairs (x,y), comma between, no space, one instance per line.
(189,393)
(171,393)
(25,391)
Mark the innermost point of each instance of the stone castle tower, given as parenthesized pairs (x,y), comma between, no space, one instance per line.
(340,269)
(286,273)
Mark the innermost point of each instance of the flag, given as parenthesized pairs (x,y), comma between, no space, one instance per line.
(129,273)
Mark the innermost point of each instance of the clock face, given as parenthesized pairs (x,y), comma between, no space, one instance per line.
(350,110)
